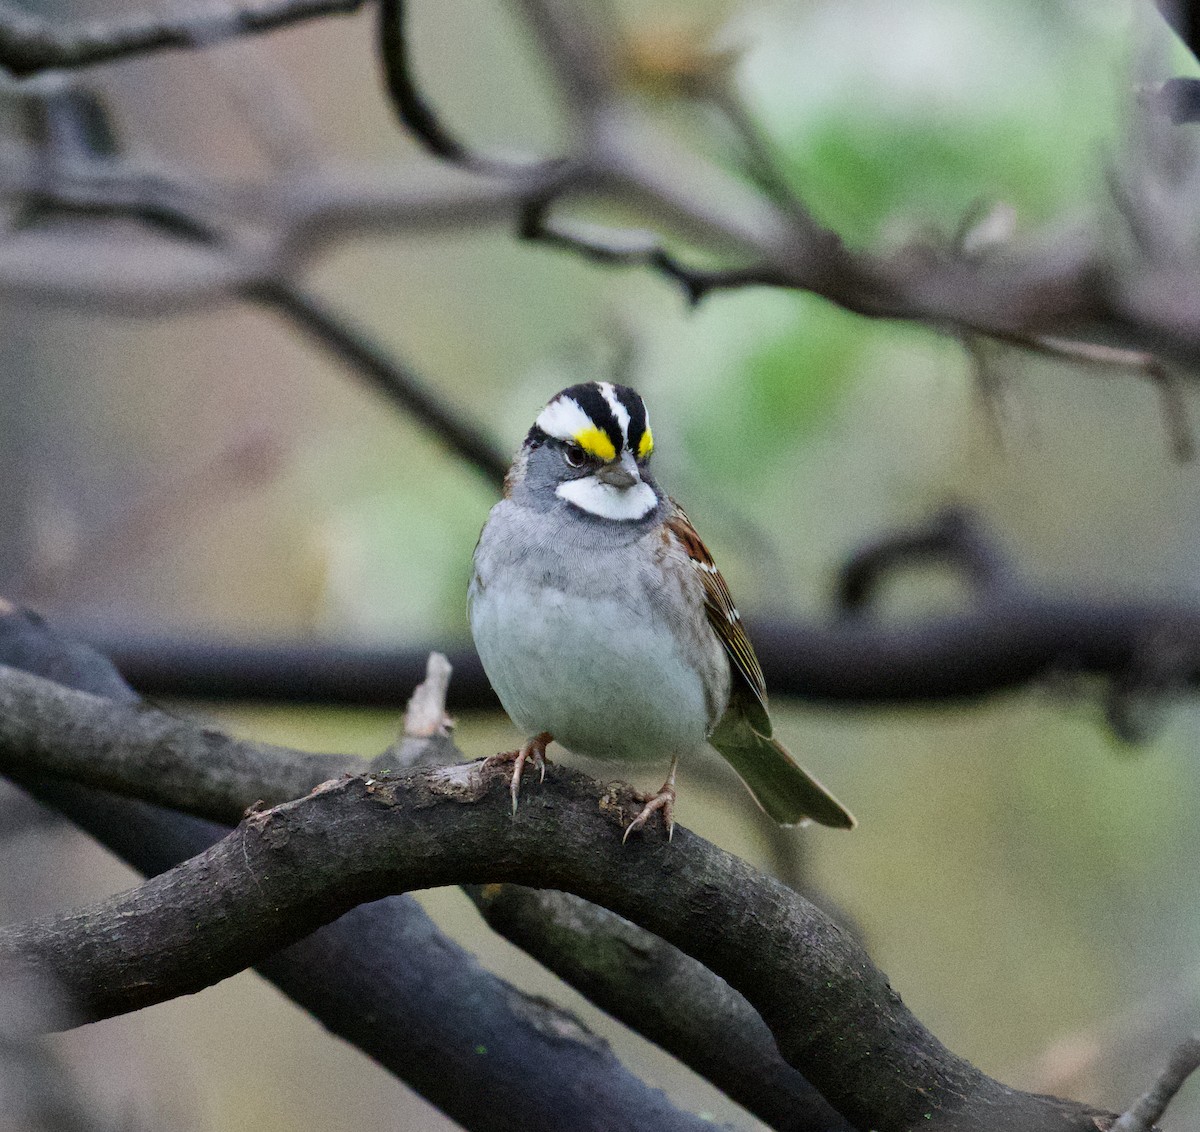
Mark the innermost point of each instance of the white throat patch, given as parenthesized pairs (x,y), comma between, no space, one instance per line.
(608,502)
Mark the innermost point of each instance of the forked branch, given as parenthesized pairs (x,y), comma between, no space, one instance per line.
(287,870)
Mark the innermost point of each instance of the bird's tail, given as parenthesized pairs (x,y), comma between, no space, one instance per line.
(780,785)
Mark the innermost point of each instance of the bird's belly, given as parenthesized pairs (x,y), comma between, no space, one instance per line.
(601,679)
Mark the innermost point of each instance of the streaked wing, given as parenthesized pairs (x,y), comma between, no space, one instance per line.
(723,615)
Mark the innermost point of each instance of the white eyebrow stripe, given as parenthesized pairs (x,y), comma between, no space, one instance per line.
(618,410)
(564,419)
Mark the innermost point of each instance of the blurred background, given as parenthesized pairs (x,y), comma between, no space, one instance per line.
(1027,882)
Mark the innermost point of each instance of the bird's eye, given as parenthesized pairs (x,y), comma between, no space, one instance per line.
(573,455)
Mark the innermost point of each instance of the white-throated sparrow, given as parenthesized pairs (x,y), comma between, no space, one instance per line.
(603,622)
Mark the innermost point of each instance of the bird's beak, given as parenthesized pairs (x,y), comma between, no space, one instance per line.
(621,475)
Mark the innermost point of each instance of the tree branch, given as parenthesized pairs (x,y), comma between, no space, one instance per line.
(951,537)
(286,871)
(203,238)
(861,662)
(87,190)
(1049,285)
(414,111)
(1183,17)
(41,723)
(1153,1103)
(424,1019)
(1067,284)
(401,385)
(293,774)
(30,43)
(304,863)
(662,993)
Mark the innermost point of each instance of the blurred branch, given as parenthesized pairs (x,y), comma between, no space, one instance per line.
(205,240)
(1147,651)
(1170,386)
(283,872)
(1184,17)
(1063,287)
(1178,99)
(1009,636)
(366,358)
(37,1089)
(1153,1103)
(621,154)
(1063,284)
(625,247)
(31,43)
(952,537)
(458,1035)
(178,215)
(415,113)
(284,672)
(1062,291)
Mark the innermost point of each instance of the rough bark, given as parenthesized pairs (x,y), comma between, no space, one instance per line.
(382,977)
(284,872)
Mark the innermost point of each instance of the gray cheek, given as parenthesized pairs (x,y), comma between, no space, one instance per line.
(545,469)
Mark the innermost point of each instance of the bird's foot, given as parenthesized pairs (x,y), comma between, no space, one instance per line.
(664,800)
(533,751)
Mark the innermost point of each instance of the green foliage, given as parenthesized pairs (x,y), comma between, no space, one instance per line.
(924,176)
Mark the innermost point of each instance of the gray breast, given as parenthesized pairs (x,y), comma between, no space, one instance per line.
(584,636)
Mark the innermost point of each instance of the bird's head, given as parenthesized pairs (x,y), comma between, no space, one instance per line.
(590,447)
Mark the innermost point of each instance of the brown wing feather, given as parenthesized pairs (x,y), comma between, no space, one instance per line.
(725,620)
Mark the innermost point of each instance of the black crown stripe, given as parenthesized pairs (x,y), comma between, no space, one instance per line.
(636,408)
(589,398)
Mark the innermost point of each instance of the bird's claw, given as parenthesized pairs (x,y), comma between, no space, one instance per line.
(534,750)
(664,800)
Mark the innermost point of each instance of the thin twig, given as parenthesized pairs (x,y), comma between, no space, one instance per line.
(1168,385)
(368,359)
(415,112)
(1148,1108)
(627,247)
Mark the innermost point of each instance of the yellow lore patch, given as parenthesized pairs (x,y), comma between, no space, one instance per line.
(646,444)
(595,442)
